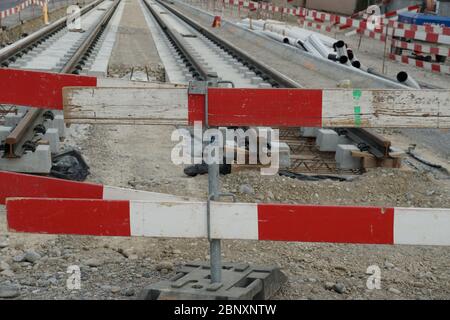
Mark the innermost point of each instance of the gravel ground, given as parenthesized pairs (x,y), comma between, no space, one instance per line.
(35,266)
(117,268)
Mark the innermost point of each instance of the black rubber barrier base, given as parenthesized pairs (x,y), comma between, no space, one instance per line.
(240,281)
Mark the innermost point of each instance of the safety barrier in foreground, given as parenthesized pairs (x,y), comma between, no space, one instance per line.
(46,205)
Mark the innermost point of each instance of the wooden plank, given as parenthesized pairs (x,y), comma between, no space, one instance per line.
(125,105)
(386,108)
(120,83)
(324,108)
(362,154)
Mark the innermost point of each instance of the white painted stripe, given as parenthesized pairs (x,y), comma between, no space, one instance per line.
(234,220)
(116,193)
(422,226)
(168,219)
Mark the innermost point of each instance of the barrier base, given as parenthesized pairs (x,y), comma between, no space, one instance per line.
(240,281)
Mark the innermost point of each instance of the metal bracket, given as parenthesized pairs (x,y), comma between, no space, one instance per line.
(197,87)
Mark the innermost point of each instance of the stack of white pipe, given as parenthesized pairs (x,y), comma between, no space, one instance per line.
(286,30)
(316,44)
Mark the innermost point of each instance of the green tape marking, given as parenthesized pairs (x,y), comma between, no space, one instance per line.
(357,109)
(357,94)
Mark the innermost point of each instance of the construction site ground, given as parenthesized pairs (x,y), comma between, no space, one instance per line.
(139,157)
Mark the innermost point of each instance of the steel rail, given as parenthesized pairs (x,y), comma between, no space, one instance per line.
(269,74)
(376,144)
(200,73)
(17,49)
(24,131)
(82,51)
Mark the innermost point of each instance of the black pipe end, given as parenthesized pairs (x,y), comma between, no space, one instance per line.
(343,59)
(402,76)
(332,57)
(339,44)
(356,64)
(350,54)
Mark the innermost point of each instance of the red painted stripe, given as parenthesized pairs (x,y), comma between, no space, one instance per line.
(38,89)
(306,223)
(25,185)
(75,216)
(435,67)
(432,37)
(259,107)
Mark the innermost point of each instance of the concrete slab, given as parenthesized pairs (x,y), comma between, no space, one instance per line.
(327,140)
(308,132)
(344,159)
(39,161)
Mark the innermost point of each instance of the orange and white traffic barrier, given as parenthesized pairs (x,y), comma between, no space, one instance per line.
(249,221)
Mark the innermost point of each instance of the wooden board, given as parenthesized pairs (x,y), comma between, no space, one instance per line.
(324,108)
(125,105)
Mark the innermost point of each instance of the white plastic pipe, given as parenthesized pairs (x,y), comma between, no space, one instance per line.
(310,48)
(320,47)
(341,51)
(404,78)
(353,60)
(279,37)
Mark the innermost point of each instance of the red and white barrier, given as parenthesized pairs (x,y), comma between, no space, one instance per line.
(38,89)
(317,16)
(418,28)
(258,107)
(319,26)
(427,33)
(422,36)
(24,185)
(274,222)
(435,67)
(322,108)
(372,34)
(442,51)
(20,7)
(394,13)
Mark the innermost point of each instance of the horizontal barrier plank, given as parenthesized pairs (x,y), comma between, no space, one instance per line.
(323,108)
(435,67)
(38,89)
(125,105)
(45,89)
(25,185)
(274,222)
(421,48)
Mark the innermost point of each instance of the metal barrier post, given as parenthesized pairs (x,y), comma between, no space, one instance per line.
(213,194)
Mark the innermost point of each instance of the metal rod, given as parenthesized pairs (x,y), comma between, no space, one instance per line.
(214,244)
(215,255)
